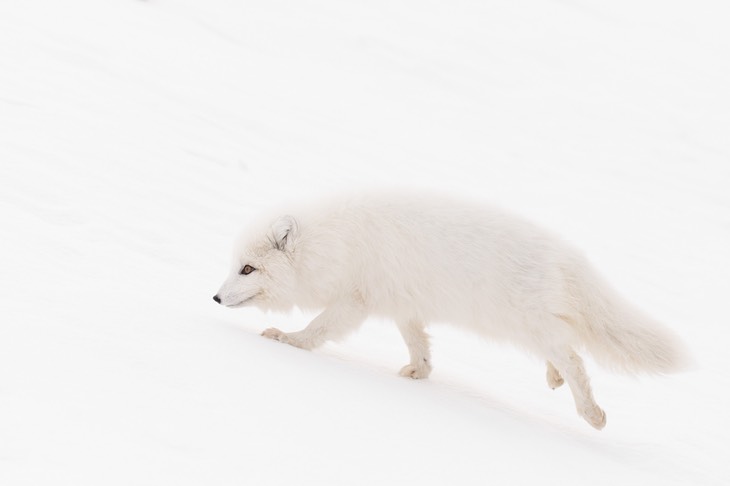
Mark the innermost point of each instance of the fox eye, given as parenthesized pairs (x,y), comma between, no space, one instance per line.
(246,270)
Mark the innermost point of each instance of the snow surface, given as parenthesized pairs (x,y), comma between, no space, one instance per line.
(138,137)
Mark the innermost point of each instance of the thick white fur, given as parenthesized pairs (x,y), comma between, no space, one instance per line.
(418,260)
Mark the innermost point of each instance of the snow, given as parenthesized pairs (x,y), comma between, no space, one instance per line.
(138,137)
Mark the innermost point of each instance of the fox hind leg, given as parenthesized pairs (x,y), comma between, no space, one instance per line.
(570,366)
(416,339)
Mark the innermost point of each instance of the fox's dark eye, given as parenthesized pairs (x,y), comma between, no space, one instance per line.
(246,270)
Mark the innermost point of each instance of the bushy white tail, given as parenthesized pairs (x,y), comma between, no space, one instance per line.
(621,337)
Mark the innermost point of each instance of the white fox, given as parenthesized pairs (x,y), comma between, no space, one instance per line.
(418,260)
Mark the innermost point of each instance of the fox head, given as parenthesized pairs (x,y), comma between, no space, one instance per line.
(262,272)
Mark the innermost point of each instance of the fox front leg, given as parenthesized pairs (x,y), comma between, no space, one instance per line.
(334,323)
(418,348)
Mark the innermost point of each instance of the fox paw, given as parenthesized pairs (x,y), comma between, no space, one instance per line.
(554,379)
(415,372)
(275,334)
(596,417)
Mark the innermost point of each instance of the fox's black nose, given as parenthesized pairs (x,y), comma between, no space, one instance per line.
(217,299)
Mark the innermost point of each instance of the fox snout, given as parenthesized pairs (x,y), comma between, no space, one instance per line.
(216,298)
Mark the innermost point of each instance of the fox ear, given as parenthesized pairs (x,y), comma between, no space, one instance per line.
(283,232)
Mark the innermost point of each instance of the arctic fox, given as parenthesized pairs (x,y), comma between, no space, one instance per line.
(418,260)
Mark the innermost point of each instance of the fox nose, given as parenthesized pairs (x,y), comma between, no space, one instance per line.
(217,299)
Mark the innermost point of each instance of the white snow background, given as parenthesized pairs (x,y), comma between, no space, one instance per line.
(138,137)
